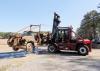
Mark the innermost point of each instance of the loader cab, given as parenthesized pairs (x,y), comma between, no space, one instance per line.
(63,34)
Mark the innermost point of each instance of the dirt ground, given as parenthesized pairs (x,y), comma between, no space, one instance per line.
(64,61)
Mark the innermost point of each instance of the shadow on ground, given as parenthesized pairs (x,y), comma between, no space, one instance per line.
(62,53)
(18,54)
(93,64)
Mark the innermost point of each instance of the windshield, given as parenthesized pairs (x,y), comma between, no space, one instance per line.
(62,35)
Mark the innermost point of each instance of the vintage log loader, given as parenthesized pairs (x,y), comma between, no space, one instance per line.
(26,40)
(63,39)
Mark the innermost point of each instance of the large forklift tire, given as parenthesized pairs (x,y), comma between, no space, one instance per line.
(29,47)
(83,50)
(52,49)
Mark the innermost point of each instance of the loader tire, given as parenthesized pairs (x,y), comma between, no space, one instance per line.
(29,47)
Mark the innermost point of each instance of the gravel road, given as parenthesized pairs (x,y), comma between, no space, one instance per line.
(64,61)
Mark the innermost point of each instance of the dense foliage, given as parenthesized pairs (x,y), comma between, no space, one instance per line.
(90,25)
(4,34)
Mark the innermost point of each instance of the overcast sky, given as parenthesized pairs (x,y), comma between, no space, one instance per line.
(16,14)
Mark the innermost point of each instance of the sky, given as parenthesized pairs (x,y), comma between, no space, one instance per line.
(17,14)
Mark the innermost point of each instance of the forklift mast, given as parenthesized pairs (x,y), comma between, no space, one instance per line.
(56,22)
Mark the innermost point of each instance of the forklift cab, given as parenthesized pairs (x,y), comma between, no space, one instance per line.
(64,39)
(62,35)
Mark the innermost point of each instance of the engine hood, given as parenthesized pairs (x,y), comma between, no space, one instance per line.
(85,41)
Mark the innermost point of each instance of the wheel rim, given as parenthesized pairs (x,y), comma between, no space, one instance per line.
(82,50)
(29,47)
(51,48)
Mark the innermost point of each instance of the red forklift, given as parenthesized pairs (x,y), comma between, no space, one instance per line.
(63,38)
